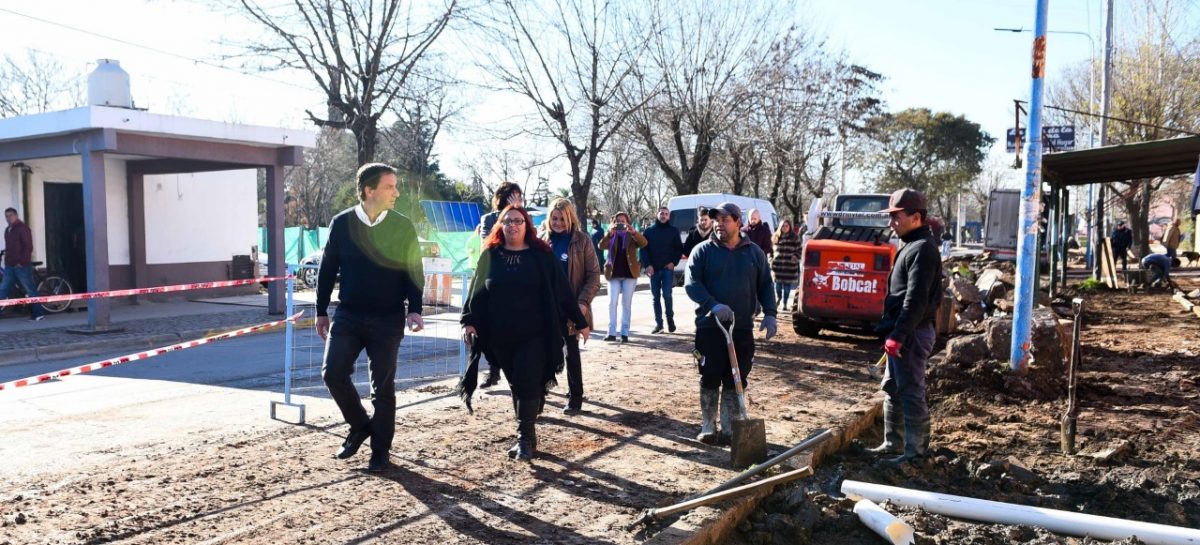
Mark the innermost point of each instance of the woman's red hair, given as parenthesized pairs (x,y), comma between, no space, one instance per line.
(496,237)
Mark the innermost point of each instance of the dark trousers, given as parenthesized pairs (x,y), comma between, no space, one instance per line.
(661,284)
(574,373)
(524,365)
(380,336)
(715,368)
(904,379)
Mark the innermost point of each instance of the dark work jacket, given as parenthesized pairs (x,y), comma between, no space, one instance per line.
(1122,240)
(736,277)
(663,246)
(914,287)
(694,238)
(559,306)
(760,234)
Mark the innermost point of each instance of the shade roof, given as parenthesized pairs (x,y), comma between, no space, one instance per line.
(1170,157)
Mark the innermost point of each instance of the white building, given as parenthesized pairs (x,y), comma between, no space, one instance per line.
(120,198)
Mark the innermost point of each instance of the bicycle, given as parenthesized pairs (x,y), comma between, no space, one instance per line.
(47,285)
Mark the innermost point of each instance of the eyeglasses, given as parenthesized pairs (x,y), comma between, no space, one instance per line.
(515,221)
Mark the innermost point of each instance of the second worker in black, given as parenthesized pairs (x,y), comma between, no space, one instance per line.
(516,313)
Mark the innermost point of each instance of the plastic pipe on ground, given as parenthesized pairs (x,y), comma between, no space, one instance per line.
(1062,522)
(894,530)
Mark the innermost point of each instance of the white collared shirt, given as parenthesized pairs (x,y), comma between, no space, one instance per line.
(362,216)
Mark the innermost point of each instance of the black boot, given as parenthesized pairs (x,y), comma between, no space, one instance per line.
(916,441)
(353,441)
(527,411)
(891,430)
(709,400)
(670,324)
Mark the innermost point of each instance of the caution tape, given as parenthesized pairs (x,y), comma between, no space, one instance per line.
(144,355)
(138,291)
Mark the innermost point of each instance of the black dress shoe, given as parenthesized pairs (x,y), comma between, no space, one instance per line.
(671,326)
(657,329)
(379,462)
(610,338)
(624,339)
(351,444)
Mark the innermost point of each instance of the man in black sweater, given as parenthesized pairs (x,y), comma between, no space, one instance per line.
(375,251)
(664,247)
(914,292)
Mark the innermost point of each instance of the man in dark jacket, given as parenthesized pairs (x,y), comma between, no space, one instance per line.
(18,261)
(664,247)
(1122,241)
(908,315)
(700,233)
(375,251)
(727,276)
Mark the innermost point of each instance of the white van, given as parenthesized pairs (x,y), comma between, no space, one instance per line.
(683,214)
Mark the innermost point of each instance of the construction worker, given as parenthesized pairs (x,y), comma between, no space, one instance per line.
(726,277)
(908,327)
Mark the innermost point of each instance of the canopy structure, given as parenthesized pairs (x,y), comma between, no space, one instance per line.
(1158,158)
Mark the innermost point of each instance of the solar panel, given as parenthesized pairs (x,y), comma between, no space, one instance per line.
(448,216)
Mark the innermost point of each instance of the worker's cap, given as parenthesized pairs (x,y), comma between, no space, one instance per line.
(726,208)
(1122,222)
(906,199)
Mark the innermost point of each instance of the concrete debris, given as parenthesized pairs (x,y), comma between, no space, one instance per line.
(964,292)
(966,349)
(1116,451)
(970,313)
(1194,294)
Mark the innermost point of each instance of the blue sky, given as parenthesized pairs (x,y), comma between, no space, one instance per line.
(939,54)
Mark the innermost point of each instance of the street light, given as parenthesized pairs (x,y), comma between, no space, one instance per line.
(1091,118)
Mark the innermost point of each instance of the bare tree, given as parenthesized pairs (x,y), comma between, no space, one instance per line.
(315,185)
(568,58)
(695,78)
(38,83)
(361,54)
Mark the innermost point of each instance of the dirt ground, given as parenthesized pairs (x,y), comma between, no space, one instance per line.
(1138,435)
(452,482)
(632,449)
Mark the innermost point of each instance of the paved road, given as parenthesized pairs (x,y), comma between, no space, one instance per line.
(208,391)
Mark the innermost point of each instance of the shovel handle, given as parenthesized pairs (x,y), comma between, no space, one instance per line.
(733,362)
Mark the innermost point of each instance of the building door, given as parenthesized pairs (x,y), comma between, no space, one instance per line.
(65,251)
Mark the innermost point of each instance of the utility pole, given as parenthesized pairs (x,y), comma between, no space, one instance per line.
(1027,250)
(1105,100)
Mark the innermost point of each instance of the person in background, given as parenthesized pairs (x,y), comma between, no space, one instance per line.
(909,308)
(786,263)
(947,241)
(621,269)
(758,232)
(517,309)
(1159,266)
(727,277)
(18,261)
(700,233)
(597,234)
(1122,241)
(374,256)
(661,254)
(508,194)
(576,255)
(1172,238)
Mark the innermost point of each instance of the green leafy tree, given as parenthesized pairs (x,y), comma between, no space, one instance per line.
(938,154)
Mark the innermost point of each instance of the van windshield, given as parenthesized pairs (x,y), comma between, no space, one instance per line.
(684,219)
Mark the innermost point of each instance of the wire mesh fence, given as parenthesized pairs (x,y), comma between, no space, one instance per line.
(433,353)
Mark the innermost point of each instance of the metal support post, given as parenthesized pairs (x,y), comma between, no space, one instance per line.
(1030,197)
(288,348)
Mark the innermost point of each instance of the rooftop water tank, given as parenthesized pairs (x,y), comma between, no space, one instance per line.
(108,85)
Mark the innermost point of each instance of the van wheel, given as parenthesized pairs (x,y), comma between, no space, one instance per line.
(805,327)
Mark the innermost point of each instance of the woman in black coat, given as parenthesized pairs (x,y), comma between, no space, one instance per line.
(515,314)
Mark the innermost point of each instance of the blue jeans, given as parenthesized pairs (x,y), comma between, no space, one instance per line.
(1171,253)
(661,284)
(24,275)
(904,379)
(783,292)
(620,290)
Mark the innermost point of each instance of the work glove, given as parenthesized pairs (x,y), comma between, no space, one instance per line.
(722,312)
(768,324)
(892,347)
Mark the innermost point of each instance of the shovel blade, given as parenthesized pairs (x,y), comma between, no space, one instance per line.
(748,444)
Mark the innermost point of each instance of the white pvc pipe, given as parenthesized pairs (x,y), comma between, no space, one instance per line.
(1063,522)
(894,530)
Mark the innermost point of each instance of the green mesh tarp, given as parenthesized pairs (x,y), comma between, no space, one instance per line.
(462,249)
(298,242)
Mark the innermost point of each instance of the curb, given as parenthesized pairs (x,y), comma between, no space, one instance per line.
(713,532)
(53,352)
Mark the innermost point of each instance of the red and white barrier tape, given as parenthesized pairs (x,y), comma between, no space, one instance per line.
(143,355)
(138,291)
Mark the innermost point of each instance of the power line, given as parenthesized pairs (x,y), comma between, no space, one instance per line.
(1113,118)
(151,49)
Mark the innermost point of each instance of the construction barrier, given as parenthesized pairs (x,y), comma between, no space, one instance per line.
(138,291)
(434,353)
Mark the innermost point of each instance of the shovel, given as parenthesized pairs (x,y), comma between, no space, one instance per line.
(748,441)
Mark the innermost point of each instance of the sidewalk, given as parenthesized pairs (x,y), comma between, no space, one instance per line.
(146,325)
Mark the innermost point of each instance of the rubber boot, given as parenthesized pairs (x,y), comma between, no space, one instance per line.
(708,415)
(730,411)
(916,441)
(891,430)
